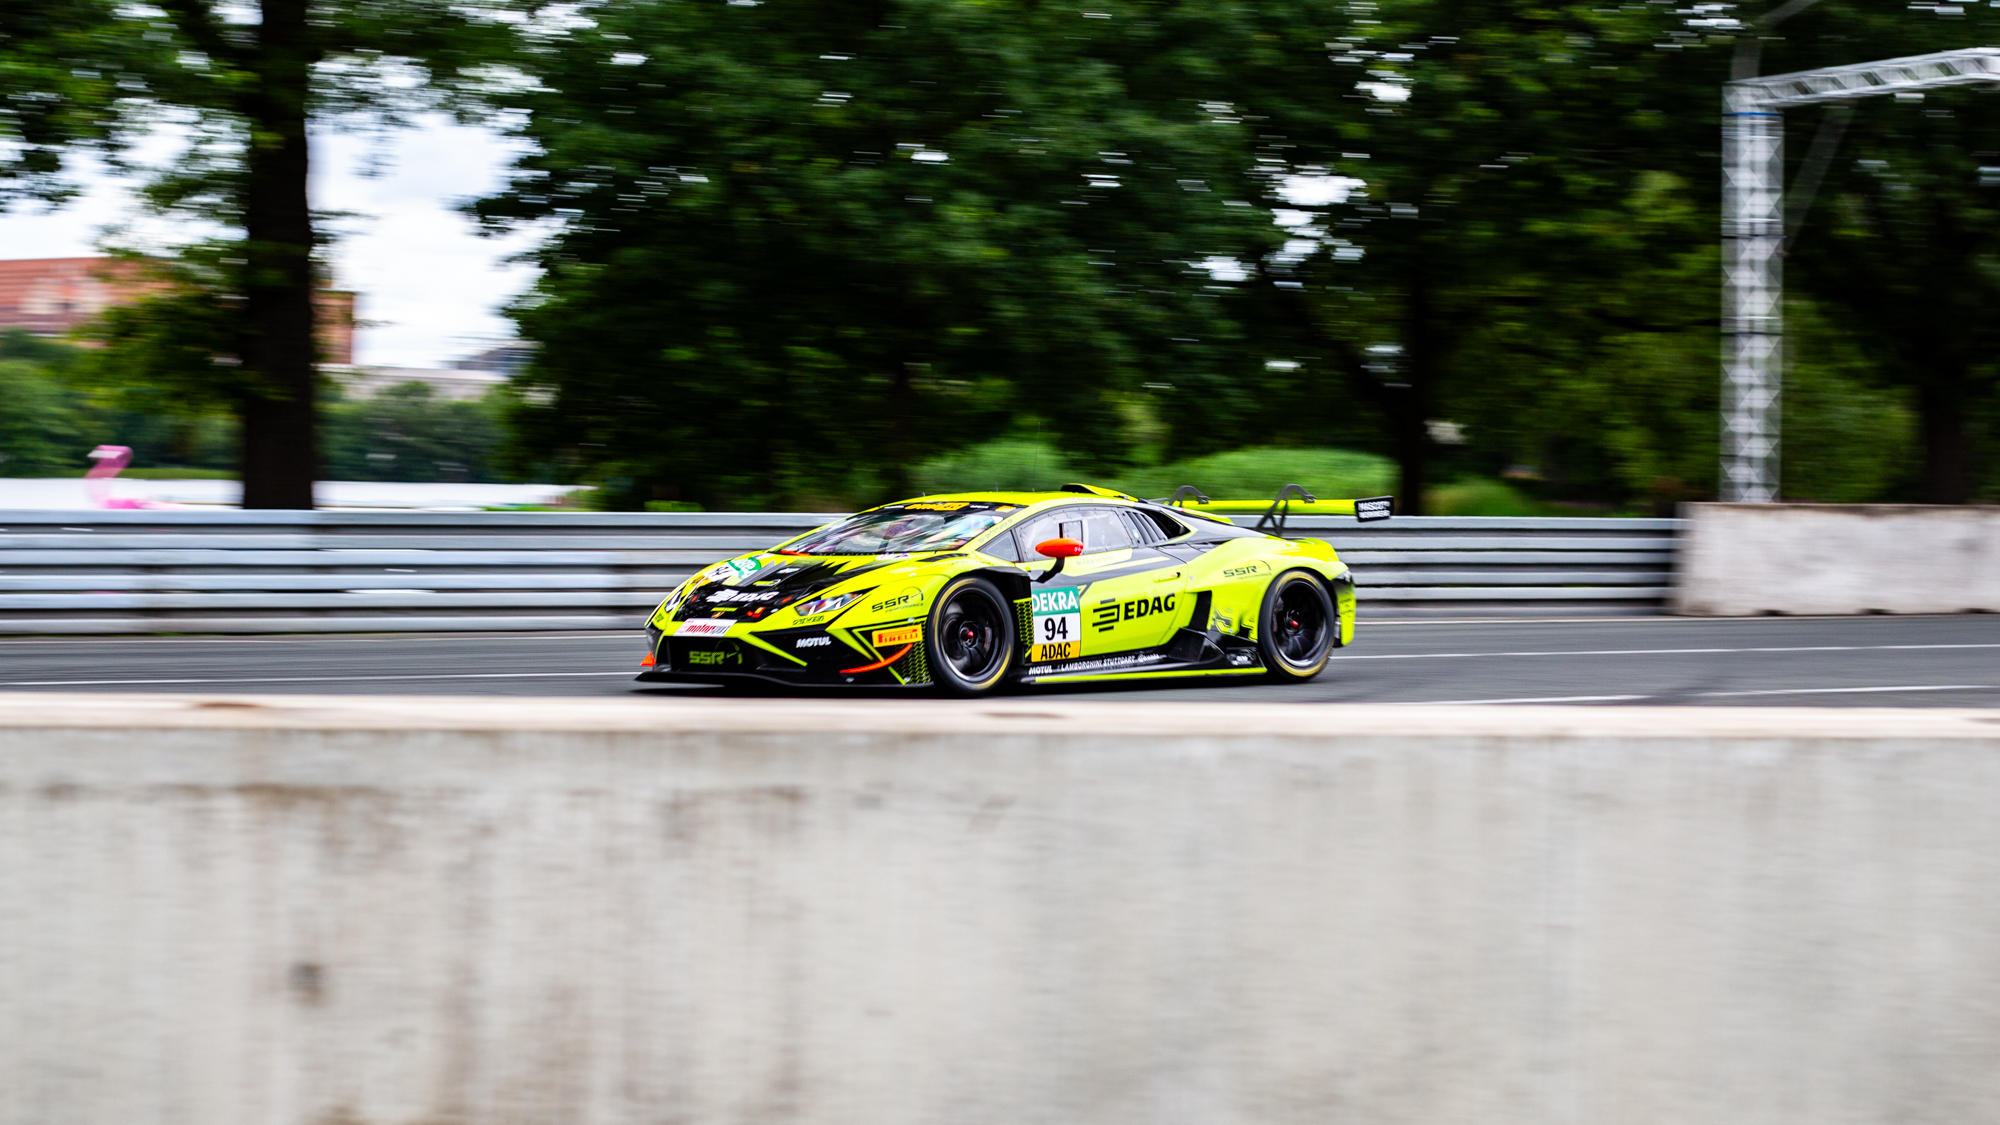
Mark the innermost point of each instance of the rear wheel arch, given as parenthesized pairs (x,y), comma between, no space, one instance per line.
(1298,624)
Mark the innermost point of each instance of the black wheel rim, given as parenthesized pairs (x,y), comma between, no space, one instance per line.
(971,635)
(1299,624)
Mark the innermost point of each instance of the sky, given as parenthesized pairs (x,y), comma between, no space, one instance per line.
(429,289)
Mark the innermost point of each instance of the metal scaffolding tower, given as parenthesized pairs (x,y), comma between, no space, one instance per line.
(1753,237)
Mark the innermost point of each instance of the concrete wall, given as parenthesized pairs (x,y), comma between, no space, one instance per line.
(346,911)
(1743,559)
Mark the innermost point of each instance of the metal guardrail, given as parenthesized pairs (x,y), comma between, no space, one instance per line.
(1488,566)
(345,571)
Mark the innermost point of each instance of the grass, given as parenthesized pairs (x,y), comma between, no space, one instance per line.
(178,474)
(1486,497)
(1255,474)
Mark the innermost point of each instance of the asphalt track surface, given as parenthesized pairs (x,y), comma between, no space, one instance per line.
(1844,661)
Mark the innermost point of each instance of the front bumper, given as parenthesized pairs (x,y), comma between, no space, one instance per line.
(803,657)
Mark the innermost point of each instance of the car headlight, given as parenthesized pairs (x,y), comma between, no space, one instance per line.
(671,604)
(824,605)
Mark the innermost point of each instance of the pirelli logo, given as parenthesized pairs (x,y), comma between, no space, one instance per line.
(903,635)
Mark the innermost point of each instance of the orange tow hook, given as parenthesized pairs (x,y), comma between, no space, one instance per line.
(647,661)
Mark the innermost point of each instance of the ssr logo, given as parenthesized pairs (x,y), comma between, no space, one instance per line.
(907,597)
(714,656)
(1111,613)
(1240,571)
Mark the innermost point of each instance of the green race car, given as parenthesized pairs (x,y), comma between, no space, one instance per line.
(969,592)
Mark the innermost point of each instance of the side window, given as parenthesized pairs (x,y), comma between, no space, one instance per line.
(1098,529)
(1059,524)
(1104,530)
(1005,546)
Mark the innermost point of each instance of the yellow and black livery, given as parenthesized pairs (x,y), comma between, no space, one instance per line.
(972,591)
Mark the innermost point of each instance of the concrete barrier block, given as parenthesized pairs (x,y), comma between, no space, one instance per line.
(225,910)
(1745,559)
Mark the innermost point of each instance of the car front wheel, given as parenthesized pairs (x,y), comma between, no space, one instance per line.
(971,637)
(1297,626)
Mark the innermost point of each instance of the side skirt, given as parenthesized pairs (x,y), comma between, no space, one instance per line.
(1149,674)
(1233,658)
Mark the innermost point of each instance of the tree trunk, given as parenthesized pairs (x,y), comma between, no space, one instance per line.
(280,453)
(897,422)
(1410,405)
(1947,446)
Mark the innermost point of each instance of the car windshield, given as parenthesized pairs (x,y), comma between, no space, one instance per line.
(942,526)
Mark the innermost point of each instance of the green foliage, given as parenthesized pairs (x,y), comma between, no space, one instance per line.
(805,245)
(37,422)
(174,350)
(406,433)
(1249,474)
(65,400)
(1484,498)
(997,466)
(820,255)
(1237,475)
(1904,251)
(1847,438)
(68,77)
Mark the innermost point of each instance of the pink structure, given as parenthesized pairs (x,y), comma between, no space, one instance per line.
(110,459)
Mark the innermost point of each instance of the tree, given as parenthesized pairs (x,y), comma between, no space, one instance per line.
(1532,249)
(65,68)
(38,431)
(1521,198)
(406,433)
(254,88)
(1904,238)
(803,244)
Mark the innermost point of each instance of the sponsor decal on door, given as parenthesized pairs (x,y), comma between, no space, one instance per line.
(1058,623)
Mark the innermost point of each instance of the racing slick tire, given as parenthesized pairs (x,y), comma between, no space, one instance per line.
(1296,626)
(971,637)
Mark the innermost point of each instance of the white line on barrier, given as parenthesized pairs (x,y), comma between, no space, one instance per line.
(1701,694)
(1525,699)
(1644,651)
(1842,690)
(310,679)
(1531,699)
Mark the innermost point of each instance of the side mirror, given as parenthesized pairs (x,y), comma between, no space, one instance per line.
(1059,550)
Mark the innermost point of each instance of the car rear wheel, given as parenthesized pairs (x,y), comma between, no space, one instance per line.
(971,637)
(1297,626)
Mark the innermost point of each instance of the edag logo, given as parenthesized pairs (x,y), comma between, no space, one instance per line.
(1111,613)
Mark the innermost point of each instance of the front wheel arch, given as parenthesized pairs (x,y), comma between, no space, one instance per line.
(970,636)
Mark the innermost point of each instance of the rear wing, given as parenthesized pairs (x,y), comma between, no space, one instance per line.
(1292,499)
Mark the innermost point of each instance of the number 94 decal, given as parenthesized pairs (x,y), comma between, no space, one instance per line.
(1058,625)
